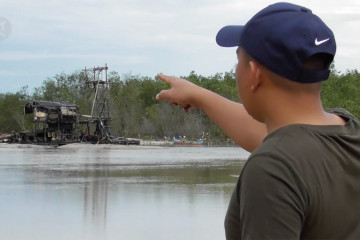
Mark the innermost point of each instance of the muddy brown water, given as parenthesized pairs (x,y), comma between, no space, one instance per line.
(116,192)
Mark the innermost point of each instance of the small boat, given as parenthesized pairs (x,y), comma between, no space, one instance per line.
(185,142)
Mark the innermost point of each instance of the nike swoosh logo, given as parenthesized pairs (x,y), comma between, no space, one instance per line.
(317,43)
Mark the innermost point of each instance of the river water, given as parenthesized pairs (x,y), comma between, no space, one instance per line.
(116,192)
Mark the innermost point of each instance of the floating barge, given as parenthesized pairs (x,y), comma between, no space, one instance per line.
(57,123)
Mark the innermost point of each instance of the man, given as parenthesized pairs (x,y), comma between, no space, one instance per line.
(302,180)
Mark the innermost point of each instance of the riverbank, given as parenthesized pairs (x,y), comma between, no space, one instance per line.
(155,143)
(82,146)
(145,143)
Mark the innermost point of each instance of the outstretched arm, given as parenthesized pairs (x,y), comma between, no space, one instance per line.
(230,116)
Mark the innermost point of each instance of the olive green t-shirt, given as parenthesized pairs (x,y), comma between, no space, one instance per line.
(303,182)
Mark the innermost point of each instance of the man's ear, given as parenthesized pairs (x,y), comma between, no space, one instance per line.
(256,74)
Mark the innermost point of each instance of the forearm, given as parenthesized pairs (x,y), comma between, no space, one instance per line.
(233,119)
(230,116)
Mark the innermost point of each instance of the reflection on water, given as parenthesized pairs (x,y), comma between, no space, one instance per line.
(95,198)
(116,192)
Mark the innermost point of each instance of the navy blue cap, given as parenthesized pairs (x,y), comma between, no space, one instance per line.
(282,37)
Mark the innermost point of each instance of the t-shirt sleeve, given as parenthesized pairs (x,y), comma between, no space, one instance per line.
(272,201)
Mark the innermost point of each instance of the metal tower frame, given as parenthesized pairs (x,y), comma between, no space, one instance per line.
(100,111)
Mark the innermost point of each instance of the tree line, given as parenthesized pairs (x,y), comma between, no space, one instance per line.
(136,113)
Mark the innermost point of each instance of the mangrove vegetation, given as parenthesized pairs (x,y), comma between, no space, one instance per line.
(136,113)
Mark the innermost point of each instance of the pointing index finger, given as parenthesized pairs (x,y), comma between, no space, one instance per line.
(165,78)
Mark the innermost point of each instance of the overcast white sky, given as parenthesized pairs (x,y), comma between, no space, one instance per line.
(143,37)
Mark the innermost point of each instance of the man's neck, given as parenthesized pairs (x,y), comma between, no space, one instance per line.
(299,112)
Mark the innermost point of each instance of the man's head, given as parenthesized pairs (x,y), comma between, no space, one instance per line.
(282,37)
(284,52)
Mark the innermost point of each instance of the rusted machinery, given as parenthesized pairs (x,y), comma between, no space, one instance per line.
(59,123)
(99,118)
(54,123)
(98,122)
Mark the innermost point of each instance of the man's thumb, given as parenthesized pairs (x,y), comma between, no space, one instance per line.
(163,94)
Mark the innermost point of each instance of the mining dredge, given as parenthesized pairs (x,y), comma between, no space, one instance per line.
(59,123)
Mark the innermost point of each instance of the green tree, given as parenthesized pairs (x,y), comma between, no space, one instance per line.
(342,90)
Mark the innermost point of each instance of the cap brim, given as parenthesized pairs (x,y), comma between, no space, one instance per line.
(229,36)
